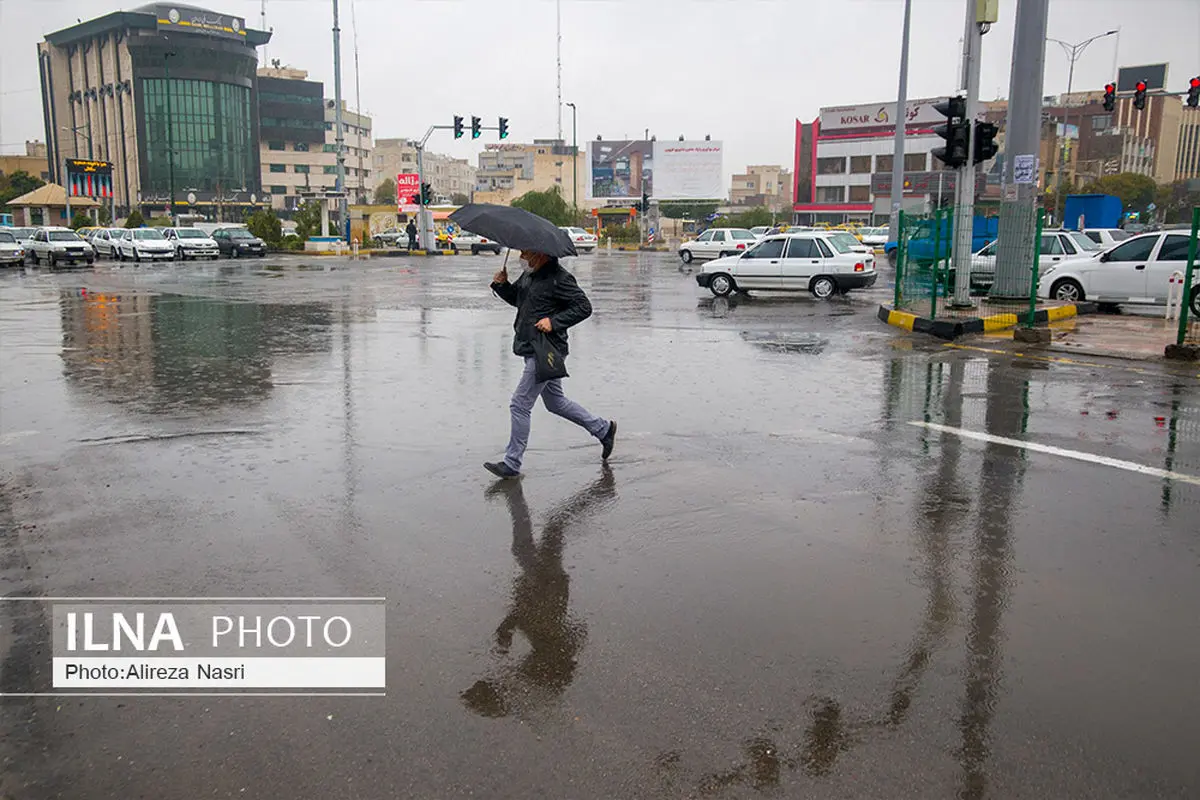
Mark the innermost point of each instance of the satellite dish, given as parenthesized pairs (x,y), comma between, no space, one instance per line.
(191,198)
(253,198)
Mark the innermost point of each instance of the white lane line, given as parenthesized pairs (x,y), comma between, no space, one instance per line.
(1078,455)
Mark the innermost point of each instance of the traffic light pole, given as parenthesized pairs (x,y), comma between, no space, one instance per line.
(426,224)
(964,223)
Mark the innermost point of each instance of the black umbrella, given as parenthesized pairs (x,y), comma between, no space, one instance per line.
(515,228)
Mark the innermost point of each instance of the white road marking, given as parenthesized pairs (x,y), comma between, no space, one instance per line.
(1078,455)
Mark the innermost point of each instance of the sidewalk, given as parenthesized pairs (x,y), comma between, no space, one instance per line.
(1136,337)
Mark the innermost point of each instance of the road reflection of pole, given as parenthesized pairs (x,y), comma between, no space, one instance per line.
(1000,482)
(349,466)
(1172,443)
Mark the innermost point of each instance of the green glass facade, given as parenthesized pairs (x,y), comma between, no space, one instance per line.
(211,133)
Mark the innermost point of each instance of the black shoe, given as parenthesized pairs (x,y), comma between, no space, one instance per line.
(500,469)
(609,439)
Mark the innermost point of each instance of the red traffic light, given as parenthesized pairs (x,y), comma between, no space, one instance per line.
(1110,88)
(1141,86)
(1194,83)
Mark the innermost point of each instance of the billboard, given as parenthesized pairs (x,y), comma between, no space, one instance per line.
(620,169)
(408,186)
(878,117)
(194,20)
(1155,76)
(623,169)
(89,178)
(688,171)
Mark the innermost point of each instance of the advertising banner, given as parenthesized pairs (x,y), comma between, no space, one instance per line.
(620,169)
(688,171)
(408,187)
(89,178)
(878,117)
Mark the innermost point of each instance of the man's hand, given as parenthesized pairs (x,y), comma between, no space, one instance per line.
(543,325)
(501,276)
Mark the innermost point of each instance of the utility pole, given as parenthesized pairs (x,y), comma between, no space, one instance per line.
(979,18)
(1018,210)
(558,62)
(340,139)
(901,124)
(1073,51)
(170,141)
(574,159)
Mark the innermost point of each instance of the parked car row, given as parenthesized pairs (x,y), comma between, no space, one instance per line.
(821,263)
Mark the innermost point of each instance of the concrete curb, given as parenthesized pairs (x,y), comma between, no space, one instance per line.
(633,248)
(951,329)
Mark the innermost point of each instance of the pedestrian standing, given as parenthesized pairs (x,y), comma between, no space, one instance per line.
(548,302)
(411,230)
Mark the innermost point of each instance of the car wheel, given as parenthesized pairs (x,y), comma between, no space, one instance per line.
(721,285)
(235,253)
(1196,301)
(51,260)
(136,255)
(474,250)
(263,254)
(91,262)
(33,258)
(823,287)
(1067,290)
(686,255)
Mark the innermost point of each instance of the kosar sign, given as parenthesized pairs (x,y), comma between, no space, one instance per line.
(878,115)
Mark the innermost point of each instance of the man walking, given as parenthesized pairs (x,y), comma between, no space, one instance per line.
(548,301)
(411,230)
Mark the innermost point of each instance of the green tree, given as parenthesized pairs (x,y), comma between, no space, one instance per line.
(134,220)
(1176,200)
(459,199)
(265,225)
(80,220)
(308,220)
(385,194)
(1136,191)
(105,215)
(548,205)
(754,218)
(687,210)
(18,183)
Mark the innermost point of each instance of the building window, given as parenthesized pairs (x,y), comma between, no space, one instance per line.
(273,97)
(914,162)
(329,148)
(279,168)
(328,170)
(328,126)
(301,147)
(278,190)
(860,165)
(280,122)
(1101,122)
(831,194)
(274,145)
(301,168)
(831,166)
(860,194)
(883,163)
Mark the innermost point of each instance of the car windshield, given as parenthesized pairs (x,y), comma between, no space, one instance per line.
(577,231)
(240,234)
(1084,243)
(23,233)
(148,235)
(64,236)
(843,242)
(7,237)
(742,235)
(191,233)
(1118,235)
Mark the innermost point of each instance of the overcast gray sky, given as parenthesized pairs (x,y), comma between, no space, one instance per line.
(740,70)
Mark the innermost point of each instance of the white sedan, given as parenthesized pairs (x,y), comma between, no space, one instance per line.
(11,251)
(1137,271)
(465,240)
(1056,247)
(584,242)
(819,263)
(145,244)
(717,243)
(875,237)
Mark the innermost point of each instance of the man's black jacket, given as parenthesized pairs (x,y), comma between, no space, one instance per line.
(551,292)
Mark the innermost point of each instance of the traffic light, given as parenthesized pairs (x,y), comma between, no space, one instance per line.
(426,194)
(475,123)
(645,206)
(1110,96)
(984,142)
(504,127)
(1193,98)
(458,128)
(1139,95)
(956,131)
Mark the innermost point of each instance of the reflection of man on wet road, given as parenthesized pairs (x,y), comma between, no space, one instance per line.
(539,607)
(548,302)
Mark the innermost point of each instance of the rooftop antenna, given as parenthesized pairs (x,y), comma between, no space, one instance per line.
(357,100)
(263,26)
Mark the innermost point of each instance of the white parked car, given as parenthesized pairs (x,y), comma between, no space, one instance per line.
(23,235)
(717,243)
(104,241)
(56,245)
(1106,237)
(584,242)
(873,237)
(191,243)
(465,240)
(145,244)
(820,263)
(1057,247)
(11,251)
(760,231)
(1137,271)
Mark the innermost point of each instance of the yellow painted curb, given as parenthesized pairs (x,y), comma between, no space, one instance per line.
(1061,312)
(901,319)
(997,322)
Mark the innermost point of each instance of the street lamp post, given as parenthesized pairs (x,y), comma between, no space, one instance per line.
(574,160)
(1073,51)
(170,143)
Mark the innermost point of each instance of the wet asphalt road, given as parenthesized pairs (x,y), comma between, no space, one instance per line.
(782,586)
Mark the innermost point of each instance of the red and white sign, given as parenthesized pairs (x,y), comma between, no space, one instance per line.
(879,116)
(408,186)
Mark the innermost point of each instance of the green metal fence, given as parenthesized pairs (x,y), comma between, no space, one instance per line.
(926,276)
(1189,311)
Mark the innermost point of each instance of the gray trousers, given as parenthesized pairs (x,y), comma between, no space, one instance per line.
(527,392)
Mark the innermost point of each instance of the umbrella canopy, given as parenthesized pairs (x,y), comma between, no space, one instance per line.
(515,228)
